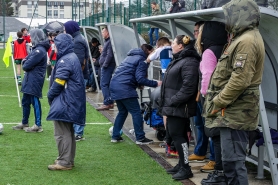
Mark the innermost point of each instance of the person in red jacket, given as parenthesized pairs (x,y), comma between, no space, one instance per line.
(20,52)
(26,36)
(51,52)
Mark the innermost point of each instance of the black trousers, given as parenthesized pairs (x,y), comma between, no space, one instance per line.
(233,145)
(177,129)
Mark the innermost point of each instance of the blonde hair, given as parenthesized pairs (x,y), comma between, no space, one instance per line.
(183,39)
(198,43)
(186,39)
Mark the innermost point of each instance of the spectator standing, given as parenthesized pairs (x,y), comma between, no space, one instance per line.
(200,151)
(131,74)
(51,52)
(95,53)
(107,64)
(26,36)
(178,100)
(67,101)
(210,44)
(81,50)
(232,100)
(34,66)
(20,51)
(177,6)
(155,11)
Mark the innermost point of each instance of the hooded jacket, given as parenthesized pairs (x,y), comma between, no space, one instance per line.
(80,45)
(130,74)
(180,84)
(214,37)
(34,64)
(234,86)
(68,101)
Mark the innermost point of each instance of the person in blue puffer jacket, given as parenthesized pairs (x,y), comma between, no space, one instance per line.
(67,100)
(131,74)
(34,66)
(82,52)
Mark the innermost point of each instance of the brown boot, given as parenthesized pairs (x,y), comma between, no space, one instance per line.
(58,167)
(111,106)
(104,107)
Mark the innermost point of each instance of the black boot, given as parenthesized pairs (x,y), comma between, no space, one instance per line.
(183,173)
(173,170)
(217,178)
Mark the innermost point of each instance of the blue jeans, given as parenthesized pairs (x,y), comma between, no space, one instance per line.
(106,75)
(155,30)
(85,82)
(27,100)
(78,129)
(202,139)
(132,106)
(92,79)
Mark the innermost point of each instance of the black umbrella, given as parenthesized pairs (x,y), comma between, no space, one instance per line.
(53,27)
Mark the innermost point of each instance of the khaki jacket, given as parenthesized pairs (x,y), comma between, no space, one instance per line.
(234,86)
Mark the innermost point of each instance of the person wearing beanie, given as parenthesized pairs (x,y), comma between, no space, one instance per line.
(210,43)
(81,50)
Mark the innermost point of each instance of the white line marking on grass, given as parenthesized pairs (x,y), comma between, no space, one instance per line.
(12,96)
(6,77)
(108,123)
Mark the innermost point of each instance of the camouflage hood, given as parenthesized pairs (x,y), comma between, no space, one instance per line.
(241,15)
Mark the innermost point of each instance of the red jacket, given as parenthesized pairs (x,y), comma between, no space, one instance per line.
(54,56)
(20,51)
(27,38)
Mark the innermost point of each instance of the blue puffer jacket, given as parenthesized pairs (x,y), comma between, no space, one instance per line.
(131,74)
(107,56)
(34,66)
(81,50)
(67,102)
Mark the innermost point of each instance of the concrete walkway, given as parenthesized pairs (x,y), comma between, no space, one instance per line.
(158,153)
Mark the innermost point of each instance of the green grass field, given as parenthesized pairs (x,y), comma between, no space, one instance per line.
(25,156)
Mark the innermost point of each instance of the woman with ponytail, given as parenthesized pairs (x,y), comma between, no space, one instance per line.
(178,100)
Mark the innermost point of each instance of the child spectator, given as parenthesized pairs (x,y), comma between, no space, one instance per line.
(163,52)
(21,50)
(26,36)
(51,52)
(34,66)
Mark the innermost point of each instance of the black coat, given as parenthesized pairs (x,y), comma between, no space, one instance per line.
(180,84)
(178,6)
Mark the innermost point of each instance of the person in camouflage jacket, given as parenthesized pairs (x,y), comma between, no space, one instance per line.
(232,100)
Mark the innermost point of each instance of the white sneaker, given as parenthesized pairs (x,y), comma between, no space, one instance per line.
(34,128)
